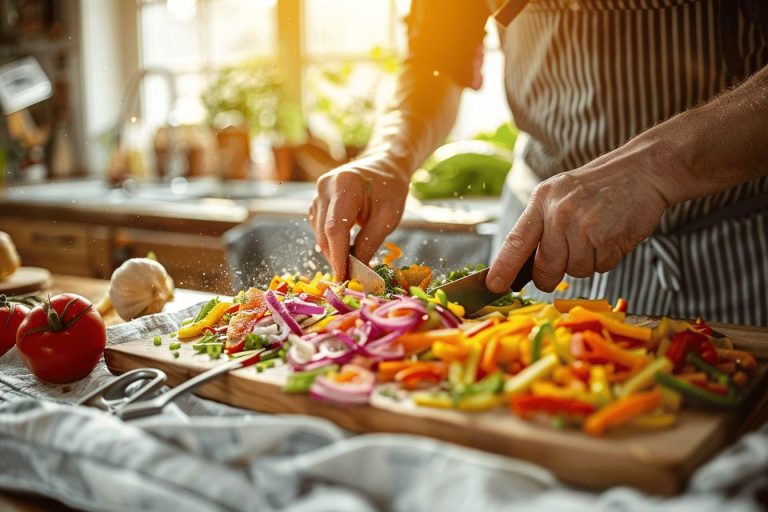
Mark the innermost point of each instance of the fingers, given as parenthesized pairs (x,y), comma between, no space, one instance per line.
(317,216)
(607,258)
(519,244)
(373,233)
(581,255)
(551,259)
(341,216)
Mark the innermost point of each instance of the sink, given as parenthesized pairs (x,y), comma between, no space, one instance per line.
(94,192)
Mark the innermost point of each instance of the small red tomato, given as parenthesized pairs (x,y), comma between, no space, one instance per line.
(11,316)
(62,340)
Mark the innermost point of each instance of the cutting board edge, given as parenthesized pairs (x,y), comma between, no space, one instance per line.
(662,477)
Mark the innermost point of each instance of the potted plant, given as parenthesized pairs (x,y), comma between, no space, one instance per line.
(254,89)
(345,96)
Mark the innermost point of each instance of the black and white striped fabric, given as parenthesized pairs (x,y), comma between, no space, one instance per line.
(584,76)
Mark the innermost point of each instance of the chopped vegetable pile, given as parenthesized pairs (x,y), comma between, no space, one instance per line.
(575,362)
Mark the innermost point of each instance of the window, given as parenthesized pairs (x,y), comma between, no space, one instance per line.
(353,39)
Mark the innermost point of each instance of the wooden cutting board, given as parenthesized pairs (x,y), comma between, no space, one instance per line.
(659,462)
(25,280)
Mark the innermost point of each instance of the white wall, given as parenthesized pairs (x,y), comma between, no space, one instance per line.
(109,57)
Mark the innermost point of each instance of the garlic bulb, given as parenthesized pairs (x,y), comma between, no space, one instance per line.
(9,258)
(139,287)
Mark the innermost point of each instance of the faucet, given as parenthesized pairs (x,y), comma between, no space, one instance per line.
(175,165)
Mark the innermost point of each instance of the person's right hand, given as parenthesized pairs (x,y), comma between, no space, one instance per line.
(370,192)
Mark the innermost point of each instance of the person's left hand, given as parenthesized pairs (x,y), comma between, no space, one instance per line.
(586,220)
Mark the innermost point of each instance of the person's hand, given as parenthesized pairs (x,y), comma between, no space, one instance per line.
(369,192)
(586,220)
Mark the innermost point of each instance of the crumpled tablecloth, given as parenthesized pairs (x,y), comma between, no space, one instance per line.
(203,456)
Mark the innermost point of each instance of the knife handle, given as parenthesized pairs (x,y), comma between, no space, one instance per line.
(525,275)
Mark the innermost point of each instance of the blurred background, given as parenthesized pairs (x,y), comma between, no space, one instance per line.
(130,125)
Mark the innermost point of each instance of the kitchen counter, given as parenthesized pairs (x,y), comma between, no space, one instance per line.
(208,205)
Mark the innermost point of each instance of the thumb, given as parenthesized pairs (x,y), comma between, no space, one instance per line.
(518,246)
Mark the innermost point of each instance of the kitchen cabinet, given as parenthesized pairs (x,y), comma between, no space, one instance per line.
(62,247)
(194,261)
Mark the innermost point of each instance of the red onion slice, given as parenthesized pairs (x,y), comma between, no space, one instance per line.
(281,314)
(335,301)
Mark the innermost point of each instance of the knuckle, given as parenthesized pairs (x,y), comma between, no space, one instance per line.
(514,240)
(334,227)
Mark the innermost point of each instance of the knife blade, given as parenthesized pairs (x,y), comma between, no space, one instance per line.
(472,293)
(371,281)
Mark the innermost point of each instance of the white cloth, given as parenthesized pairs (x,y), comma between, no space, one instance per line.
(203,456)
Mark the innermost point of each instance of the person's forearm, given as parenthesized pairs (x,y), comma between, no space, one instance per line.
(717,145)
(418,121)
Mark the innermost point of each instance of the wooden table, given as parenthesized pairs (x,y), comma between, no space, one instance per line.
(92,289)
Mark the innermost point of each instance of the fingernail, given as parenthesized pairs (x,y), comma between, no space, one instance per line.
(497,284)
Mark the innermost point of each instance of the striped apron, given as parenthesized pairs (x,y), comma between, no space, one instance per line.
(583,77)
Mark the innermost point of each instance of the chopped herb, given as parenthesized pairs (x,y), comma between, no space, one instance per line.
(351,301)
(263,365)
(558,422)
(453,275)
(214,350)
(255,341)
(270,354)
(206,309)
(176,355)
(174,346)
(389,393)
(173,335)
(300,382)
(157,340)
(388,275)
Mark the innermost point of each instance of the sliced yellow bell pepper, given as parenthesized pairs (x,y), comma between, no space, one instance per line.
(443,400)
(355,285)
(613,326)
(645,378)
(527,310)
(654,420)
(599,386)
(196,328)
(319,326)
(522,382)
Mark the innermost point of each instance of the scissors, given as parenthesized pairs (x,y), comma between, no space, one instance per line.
(139,393)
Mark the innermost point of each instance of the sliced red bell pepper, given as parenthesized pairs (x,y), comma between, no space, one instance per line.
(702,327)
(621,306)
(687,341)
(582,325)
(527,404)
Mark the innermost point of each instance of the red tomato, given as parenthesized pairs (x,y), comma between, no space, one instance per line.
(11,316)
(61,341)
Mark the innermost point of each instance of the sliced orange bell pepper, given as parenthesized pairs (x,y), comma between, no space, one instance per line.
(602,348)
(490,355)
(450,351)
(420,341)
(412,376)
(614,326)
(622,411)
(388,369)
(565,305)
(393,253)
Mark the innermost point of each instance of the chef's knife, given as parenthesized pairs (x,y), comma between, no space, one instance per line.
(371,281)
(471,292)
